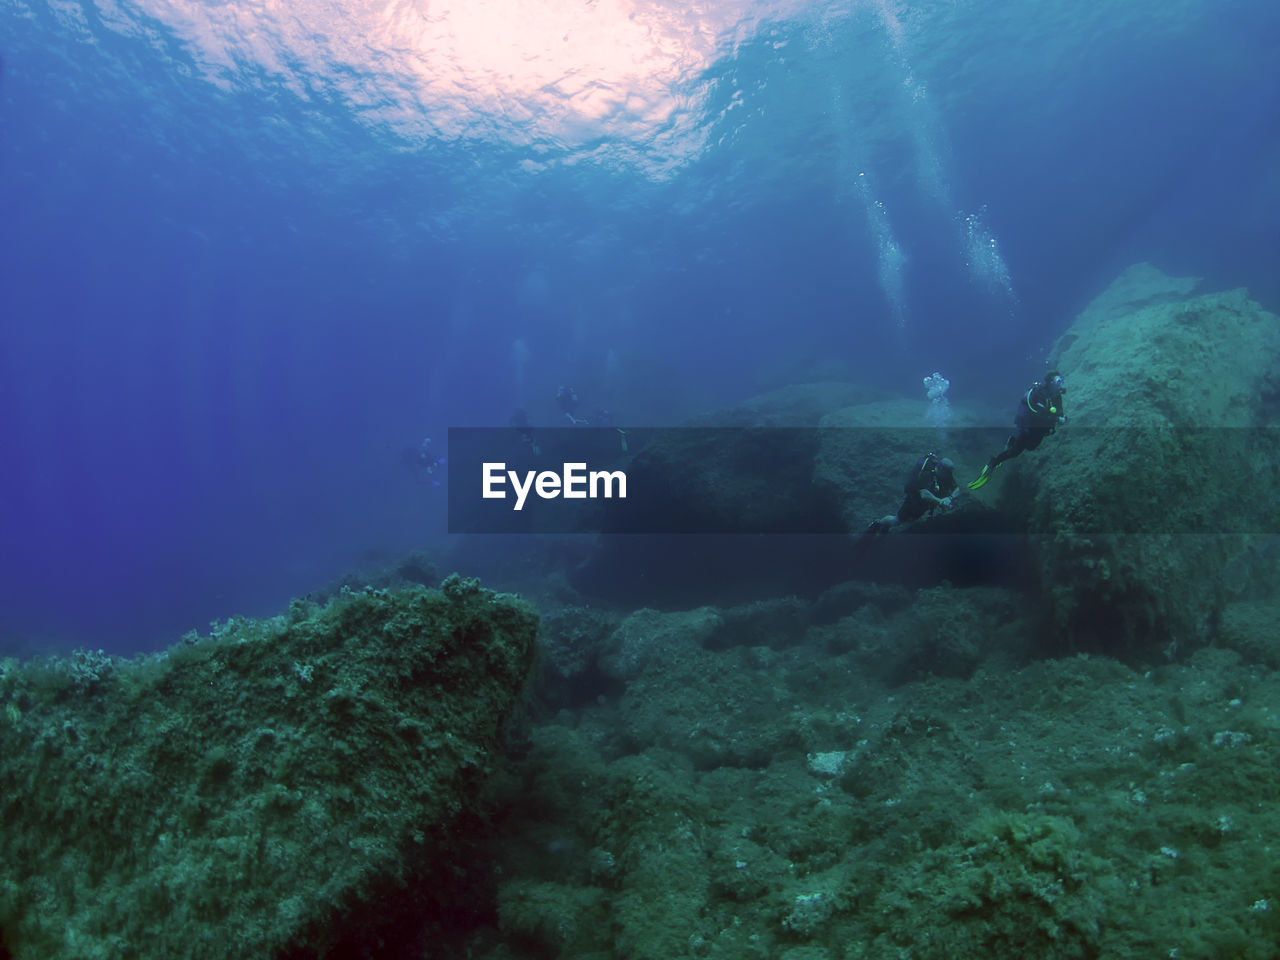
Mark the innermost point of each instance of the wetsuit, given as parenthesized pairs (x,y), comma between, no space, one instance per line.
(1038,416)
(915,506)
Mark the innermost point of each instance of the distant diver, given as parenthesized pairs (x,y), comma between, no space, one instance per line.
(426,465)
(519,422)
(930,485)
(1039,415)
(568,401)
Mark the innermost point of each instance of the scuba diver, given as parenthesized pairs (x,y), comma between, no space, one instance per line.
(931,484)
(1039,414)
(424,462)
(519,422)
(567,400)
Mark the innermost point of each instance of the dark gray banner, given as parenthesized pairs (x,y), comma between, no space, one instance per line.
(762,480)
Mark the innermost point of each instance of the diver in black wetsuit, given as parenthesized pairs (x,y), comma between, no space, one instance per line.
(1039,415)
(931,485)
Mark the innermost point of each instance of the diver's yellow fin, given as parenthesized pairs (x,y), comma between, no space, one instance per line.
(980,481)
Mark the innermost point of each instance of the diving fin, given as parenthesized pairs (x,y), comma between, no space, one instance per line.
(980,481)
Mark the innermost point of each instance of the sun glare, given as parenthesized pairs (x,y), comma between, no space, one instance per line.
(554,76)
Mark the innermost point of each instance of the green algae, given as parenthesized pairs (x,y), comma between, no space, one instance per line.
(1068,808)
(1167,438)
(274,784)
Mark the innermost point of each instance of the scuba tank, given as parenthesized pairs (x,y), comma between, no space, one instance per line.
(925,466)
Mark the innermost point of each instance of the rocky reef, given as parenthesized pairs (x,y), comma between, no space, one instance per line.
(1165,475)
(296,787)
(825,793)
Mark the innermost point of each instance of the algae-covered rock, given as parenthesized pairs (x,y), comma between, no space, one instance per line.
(293,784)
(700,703)
(1168,460)
(649,636)
(657,836)
(945,632)
(1073,807)
(558,917)
(1014,885)
(571,641)
(1250,627)
(777,622)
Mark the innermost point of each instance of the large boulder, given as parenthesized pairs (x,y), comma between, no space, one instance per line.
(1166,467)
(292,787)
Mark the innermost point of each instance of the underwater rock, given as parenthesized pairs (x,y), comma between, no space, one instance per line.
(1012,884)
(778,622)
(649,637)
(570,642)
(846,598)
(702,704)
(1142,285)
(1249,627)
(291,787)
(376,572)
(944,632)
(1147,495)
(1074,807)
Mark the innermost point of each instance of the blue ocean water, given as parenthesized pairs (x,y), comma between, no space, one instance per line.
(250,253)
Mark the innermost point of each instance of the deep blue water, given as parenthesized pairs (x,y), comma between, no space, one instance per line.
(245,262)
